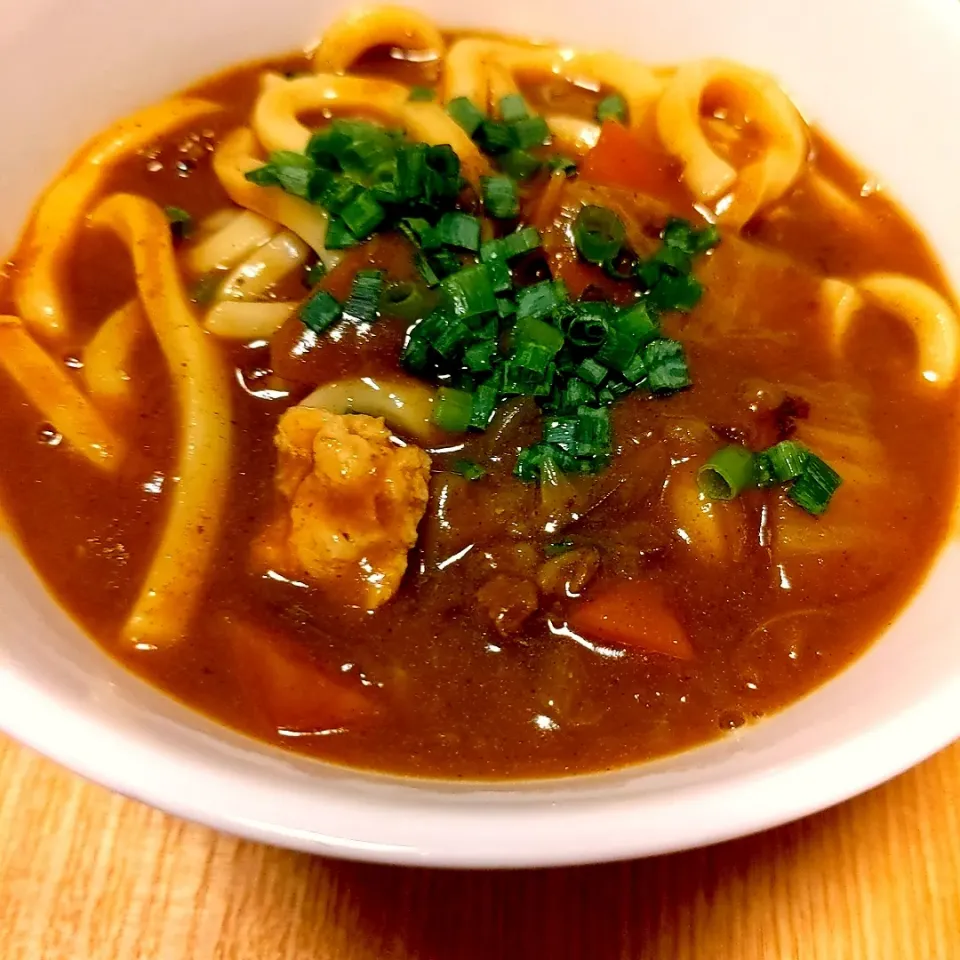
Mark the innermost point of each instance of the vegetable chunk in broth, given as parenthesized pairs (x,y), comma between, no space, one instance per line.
(453,406)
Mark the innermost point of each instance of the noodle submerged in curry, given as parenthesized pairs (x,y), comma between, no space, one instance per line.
(460,406)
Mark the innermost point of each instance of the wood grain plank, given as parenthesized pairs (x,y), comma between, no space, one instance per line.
(88,875)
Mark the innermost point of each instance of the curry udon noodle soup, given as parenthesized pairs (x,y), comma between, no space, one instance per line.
(463,407)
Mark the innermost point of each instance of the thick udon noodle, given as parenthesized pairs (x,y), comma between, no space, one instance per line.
(268,234)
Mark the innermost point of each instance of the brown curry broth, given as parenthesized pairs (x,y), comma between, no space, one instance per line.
(455,699)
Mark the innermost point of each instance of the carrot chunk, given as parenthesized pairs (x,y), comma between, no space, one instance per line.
(631,613)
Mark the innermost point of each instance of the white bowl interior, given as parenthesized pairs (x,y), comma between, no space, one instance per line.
(883,76)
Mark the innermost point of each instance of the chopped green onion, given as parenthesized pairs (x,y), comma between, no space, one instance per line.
(612,107)
(320,312)
(530,132)
(528,330)
(594,434)
(500,197)
(469,470)
(676,293)
(524,240)
(466,114)
(314,273)
(495,137)
(419,232)
(478,357)
(181,223)
(727,473)
(577,393)
(682,235)
(204,290)
(513,108)
(364,299)
(500,277)
(338,193)
(459,230)
(540,300)
(592,372)
(339,236)
(666,366)
(520,164)
(404,299)
(628,331)
(469,292)
(763,475)
(815,486)
(635,372)
(598,233)
(451,336)
(363,215)
(559,162)
(425,269)
(264,176)
(787,459)
(419,94)
(452,409)
(484,404)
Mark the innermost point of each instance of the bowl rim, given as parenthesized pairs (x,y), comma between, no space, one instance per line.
(89,745)
(746,804)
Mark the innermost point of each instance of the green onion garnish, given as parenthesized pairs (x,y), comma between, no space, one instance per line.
(466,114)
(320,312)
(666,366)
(181,223)
(469,292)
(787,459)
(560,162)
(557,547)
(452,409)
(469,470)
(496,137)
(815,486)
(598,233)
(500,197)
(363,215)
(459,230)
(364,299)
(520,164)
(314,273)
(418,94)
(540,300)
(530,132)
(727,473)
(513,108)
(404,299)
(612,107)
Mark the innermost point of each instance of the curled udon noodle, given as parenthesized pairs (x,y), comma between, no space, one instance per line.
(236,156)
(709,176)
(177,573)
(107,356)
(222,242)
(60,213)
(405,405)
(278,108)
(485,71)
(925,312)
(362,29)
(48,387)
(240,312)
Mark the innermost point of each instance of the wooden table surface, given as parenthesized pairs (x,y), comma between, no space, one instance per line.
(87,875)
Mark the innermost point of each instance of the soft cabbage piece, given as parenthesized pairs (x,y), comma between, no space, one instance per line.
(352,499)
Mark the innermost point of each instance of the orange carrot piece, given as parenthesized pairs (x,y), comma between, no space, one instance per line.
(631,613)
(634,160)
(287,686)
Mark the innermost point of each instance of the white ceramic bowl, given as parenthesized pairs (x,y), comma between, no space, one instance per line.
(882,76)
